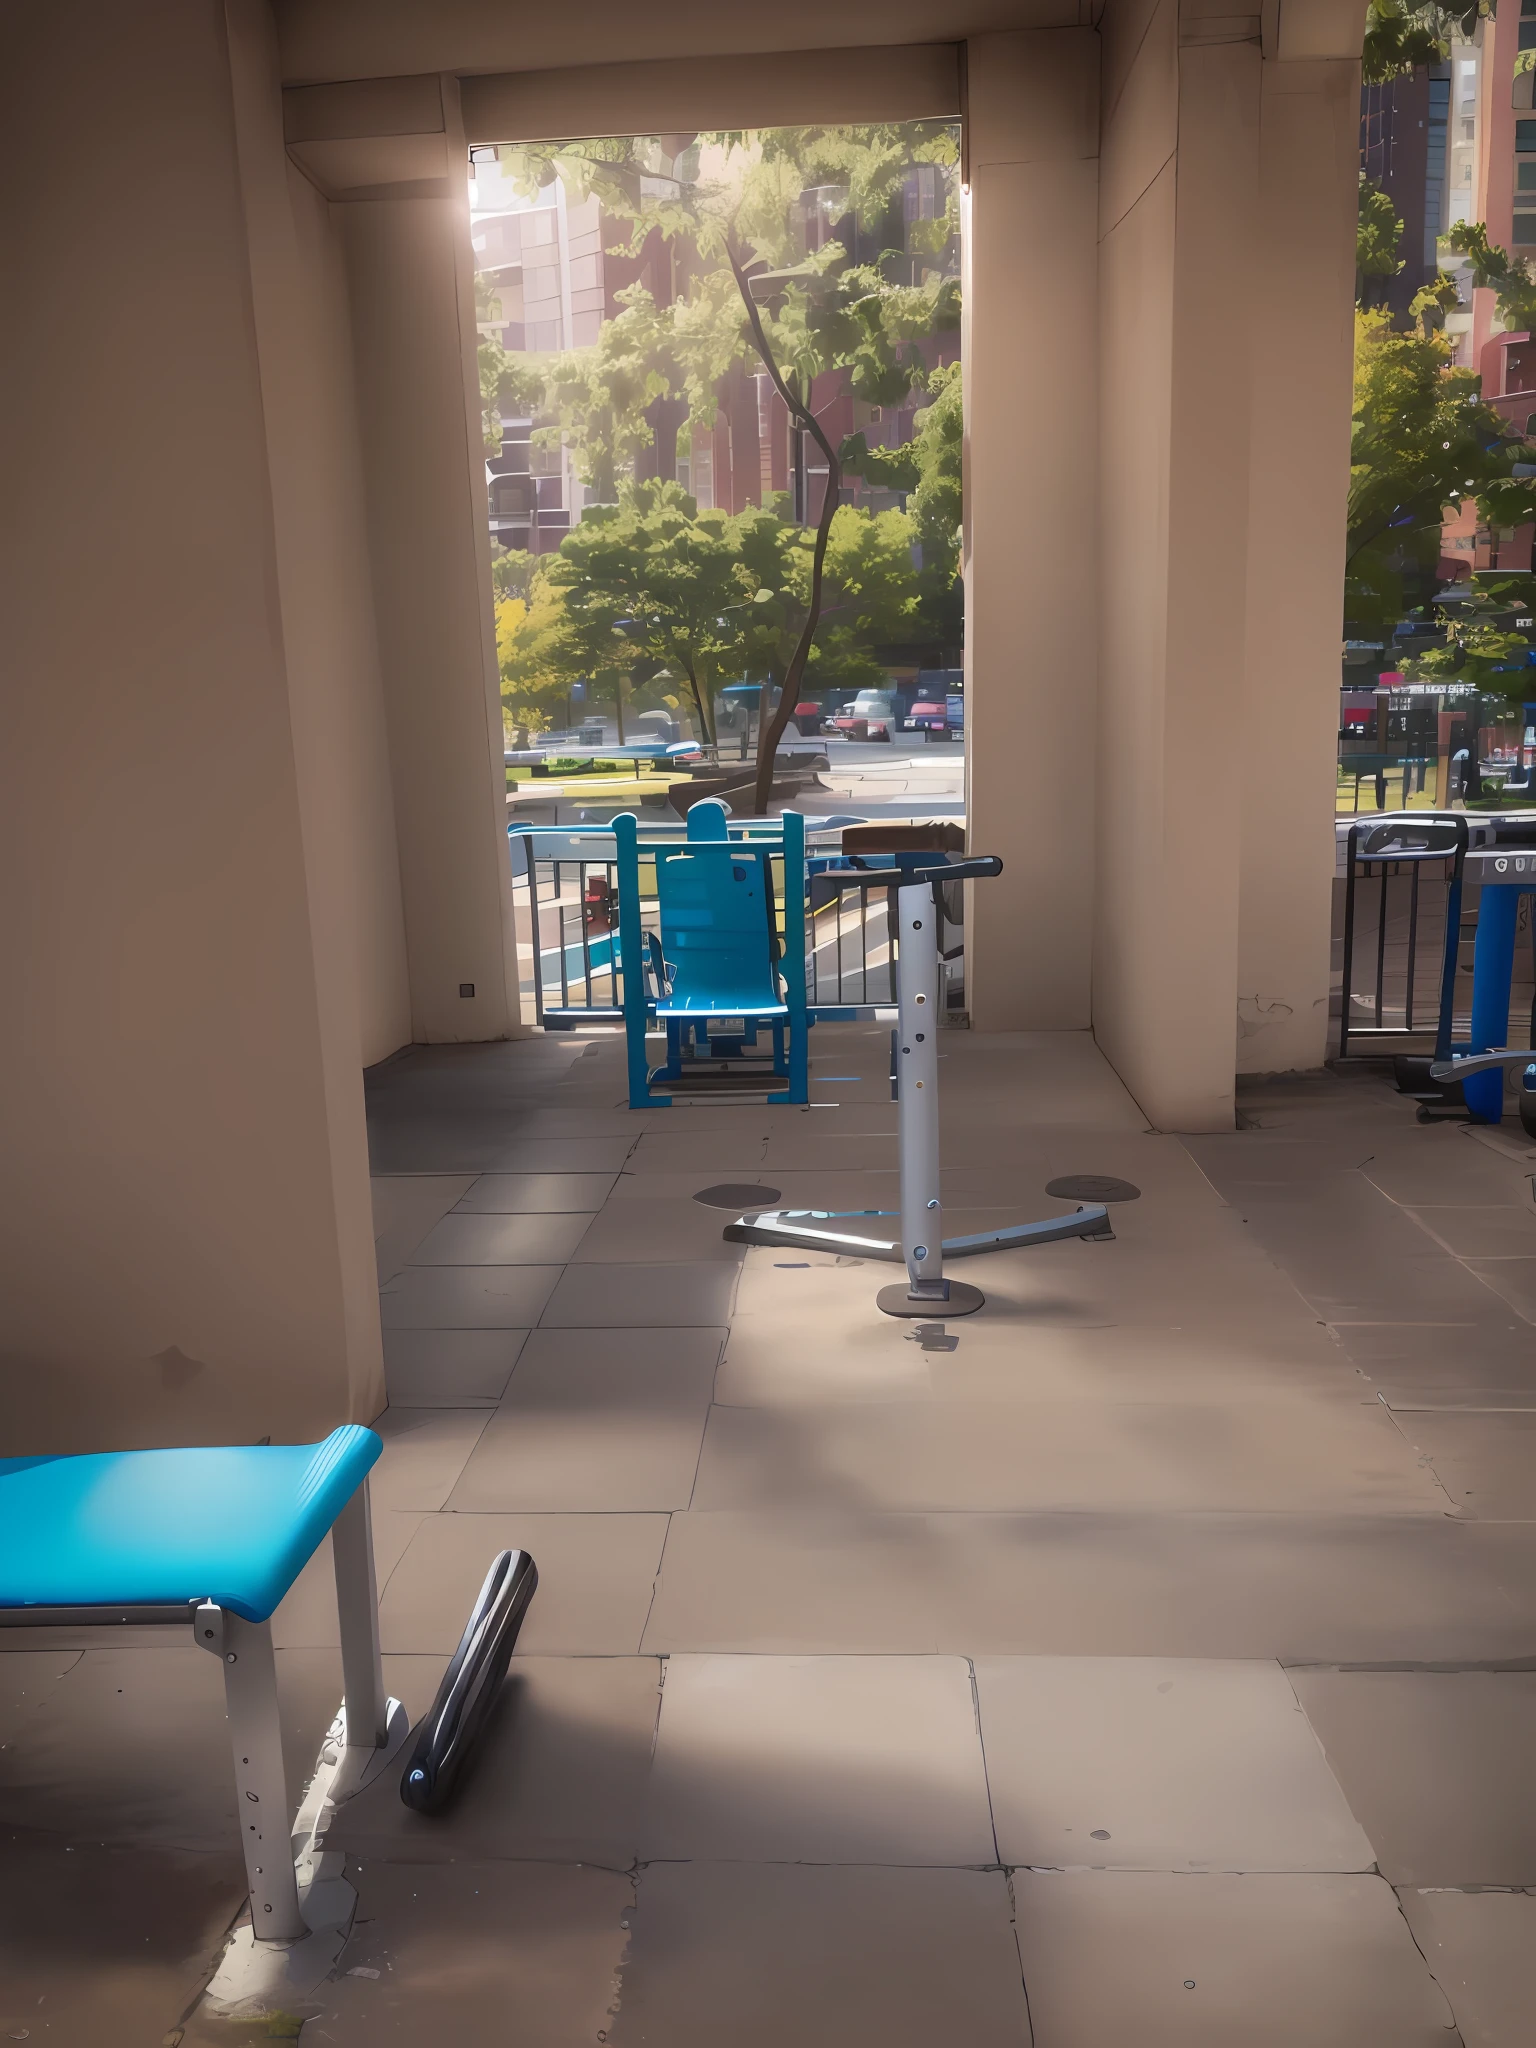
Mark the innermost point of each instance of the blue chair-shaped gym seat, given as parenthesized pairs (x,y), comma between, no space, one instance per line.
(212,1538)
(717,972)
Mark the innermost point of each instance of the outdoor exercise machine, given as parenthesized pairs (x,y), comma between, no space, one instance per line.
(213,1539)
(717,973)
(915,878)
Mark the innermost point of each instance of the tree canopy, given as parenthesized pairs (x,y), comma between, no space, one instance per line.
(788,252)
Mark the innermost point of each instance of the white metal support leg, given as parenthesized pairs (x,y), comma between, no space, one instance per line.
(917,1093)
(261,1787)
(357,1606)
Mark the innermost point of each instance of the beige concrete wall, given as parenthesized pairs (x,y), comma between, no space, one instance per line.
(304,343)
(180,1250)
(1030,489)
(1302,344)
(410,271)
(1179,196)
(343,39)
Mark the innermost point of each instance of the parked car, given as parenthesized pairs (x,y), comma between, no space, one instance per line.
(954,713)
(924,717)
(872,715)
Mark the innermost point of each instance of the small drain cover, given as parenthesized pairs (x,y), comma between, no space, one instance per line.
(738,1195)
(1091,1187)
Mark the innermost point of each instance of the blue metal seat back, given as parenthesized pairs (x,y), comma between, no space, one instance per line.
(718,936)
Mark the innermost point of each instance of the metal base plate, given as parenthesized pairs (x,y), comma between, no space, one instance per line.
(963,1301)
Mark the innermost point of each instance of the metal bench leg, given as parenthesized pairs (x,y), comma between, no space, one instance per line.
(357,1606)
(261,1786)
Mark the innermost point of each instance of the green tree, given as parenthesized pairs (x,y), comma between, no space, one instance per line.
(928,469)
(1423,440)
(732,213)
(1404,35)
(1482,646)
(1377,234)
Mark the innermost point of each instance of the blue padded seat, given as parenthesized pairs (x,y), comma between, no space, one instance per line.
(149,1528)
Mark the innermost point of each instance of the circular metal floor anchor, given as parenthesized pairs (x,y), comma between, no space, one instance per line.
(737,1195)
(1092,1187)
(963,1301)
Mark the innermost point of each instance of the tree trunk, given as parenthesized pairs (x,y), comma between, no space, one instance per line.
(772,731)
(706,723)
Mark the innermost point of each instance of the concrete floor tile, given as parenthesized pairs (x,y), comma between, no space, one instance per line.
(1482,1233)
(488,1240)
(1326,1455)
(1438,1766)
(1147,1763)
(1512,1280)
(107,1944)
(858,1354)
(1445,1169)
(558,1155)
(819,1760)
(667,1228)
(477,1953)
(817,1149)
(642,1297)
(712,1153)
(1481,1947)
(596,1577)
(762,1956)
(1208,1962)
(1486,1463)
(559,1774)
(405,1207)
(306,1615)
(597,1420)
(27,1677)
(449,1368)
(1349,1588)
(1439,1353)
(467,1297)
(425,1450)
(536,1194)
(131,1746)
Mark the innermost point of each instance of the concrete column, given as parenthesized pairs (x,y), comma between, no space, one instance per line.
(181,1213)
(1302,342)
(1030,487)
(412,291)
(1178,204)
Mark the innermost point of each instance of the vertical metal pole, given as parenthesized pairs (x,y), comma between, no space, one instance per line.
(261,1788)
(357,1607)
(1493,965)
(1381,942)
(917,1071)
(533,920)
(1348,971)
(1413,937)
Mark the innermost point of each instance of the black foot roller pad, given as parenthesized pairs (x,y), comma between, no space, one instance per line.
(1092,1187)
(471,1682)
(739,1195)
(963,1301)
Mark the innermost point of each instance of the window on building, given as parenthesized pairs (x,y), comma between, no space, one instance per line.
(1528,35)
(1525,137)
(1525,177)
(1520,367)
(1525,229)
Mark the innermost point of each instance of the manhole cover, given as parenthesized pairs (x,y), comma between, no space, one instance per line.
(738,1195)
(1091,1187)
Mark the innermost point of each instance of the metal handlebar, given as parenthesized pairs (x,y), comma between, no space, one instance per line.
(976,867)
(906,874)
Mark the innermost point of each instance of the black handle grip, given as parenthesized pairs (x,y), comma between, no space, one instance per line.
(977,868)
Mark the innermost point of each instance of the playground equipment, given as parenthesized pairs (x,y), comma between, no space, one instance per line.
(717,974)
(916,878)
(214,1538)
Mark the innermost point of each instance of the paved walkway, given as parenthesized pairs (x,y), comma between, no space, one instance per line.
(1150,1659)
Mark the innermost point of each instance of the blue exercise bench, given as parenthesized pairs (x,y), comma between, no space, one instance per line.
(212,1538)
(716,974)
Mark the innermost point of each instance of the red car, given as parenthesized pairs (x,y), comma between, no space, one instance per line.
(871,716)
(926,718)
